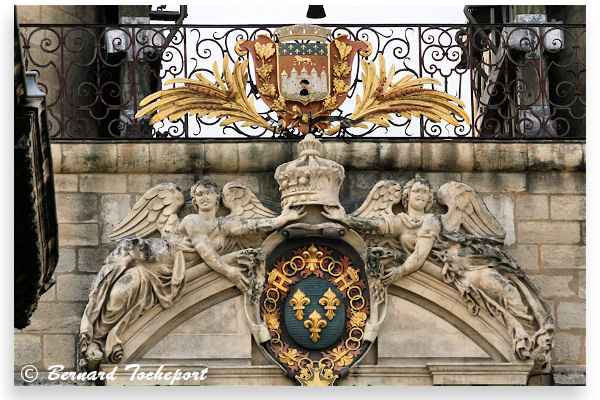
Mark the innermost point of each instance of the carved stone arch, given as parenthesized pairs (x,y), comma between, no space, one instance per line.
(207,289)
(425,289)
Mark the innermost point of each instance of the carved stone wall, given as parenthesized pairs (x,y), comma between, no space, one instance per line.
(536,190)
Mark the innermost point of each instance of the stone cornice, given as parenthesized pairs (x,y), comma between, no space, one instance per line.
(228,157)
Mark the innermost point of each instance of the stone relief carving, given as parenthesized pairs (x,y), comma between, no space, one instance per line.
(466,242)
(143,271)
(393,234)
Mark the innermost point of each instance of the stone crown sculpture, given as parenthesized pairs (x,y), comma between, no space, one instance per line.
(310,179)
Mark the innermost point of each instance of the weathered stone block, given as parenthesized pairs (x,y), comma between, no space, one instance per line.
(66,182)
(437,179)
(27,349)
(567,207)
(66,260)
(92,258)
(49,295)
(491,182)
(207,334)
(553,286)
(78,234)
(567,347)
(76,207)
(364,156)
(73,287)
(582,284)
(248,179)
(403,156)
(269,188)
(259,157)
(448,156)
(532,206)
(555,156)
(202,347)
(138,183)
(411,331)
(339,152)
(56,152)
(361,155)
(526,256)
(224,318)
(548,232)
(359,184)
(56,318)
(177,157)
(562,256)
(103,183)
(500,156)
(570,315)
(90,157)
(223,157)
(133,157)
(59,350)
(568,375)
(184,181)
(556,182)
(503,209)
(113,208)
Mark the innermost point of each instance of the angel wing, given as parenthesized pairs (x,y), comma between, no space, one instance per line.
(378,204)
(155,211)
(466,210)
(241,201)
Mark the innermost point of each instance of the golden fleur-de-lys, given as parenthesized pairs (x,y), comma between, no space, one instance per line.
(321,376)
(298,302)
(312,257)
(314,324)
(330,302)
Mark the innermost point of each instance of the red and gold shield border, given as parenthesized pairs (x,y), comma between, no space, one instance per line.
(322,258)
(295,114)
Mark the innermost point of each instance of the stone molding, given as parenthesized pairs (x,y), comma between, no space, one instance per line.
(362,375)
(198,158)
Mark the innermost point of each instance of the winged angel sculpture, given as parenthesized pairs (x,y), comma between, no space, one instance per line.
(466,243)
(144,271)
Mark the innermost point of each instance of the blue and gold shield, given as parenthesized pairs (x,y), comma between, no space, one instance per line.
(315,305)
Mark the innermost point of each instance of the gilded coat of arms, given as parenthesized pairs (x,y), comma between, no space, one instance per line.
(302,80)
(315,303)
(304,75)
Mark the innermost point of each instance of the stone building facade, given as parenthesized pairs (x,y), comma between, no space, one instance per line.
(537,192)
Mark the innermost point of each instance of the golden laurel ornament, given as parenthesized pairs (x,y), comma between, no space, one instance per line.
(227,97)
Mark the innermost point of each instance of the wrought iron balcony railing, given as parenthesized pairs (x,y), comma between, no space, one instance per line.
(518,81)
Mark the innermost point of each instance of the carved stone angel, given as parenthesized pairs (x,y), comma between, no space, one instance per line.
(143,271)
(466,242)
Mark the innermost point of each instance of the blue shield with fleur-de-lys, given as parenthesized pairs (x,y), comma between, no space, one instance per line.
(325,305)
(315,303)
